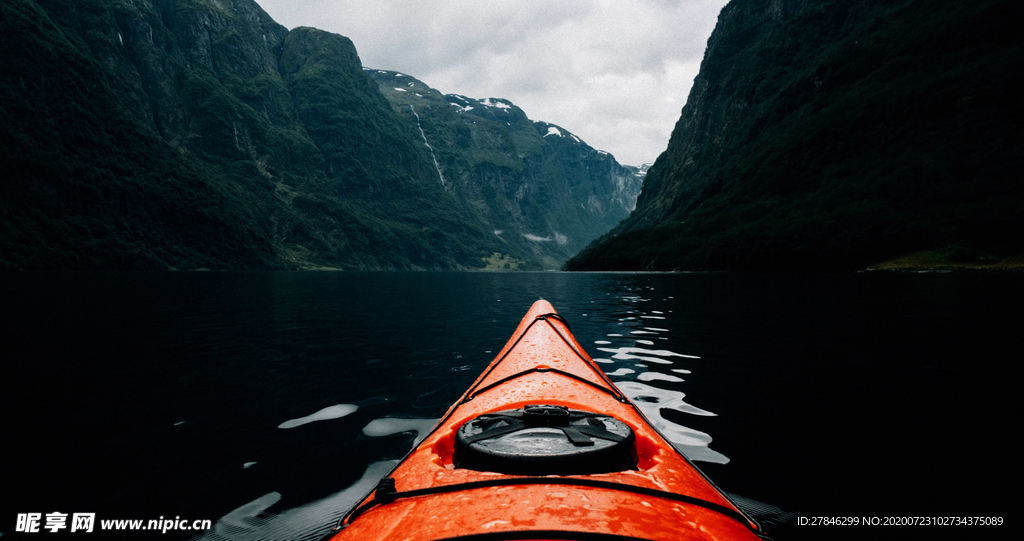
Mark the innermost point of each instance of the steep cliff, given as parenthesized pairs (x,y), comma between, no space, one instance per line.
(201,134)
(827,134)
(543,191)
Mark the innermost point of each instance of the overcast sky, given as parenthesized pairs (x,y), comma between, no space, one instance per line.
(614,72)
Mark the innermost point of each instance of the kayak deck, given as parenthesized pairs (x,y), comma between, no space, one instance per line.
(663,496)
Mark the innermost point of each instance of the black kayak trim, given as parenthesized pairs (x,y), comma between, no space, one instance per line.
(570,375)
(386,493)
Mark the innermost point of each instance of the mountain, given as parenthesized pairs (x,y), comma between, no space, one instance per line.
(544,192)
(188,134)
(825,134)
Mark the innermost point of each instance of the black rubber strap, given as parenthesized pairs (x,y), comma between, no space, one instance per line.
(610,390)
(576,437)
(601,433)
(557,317)
(512,347)
(578,434)
(514,425)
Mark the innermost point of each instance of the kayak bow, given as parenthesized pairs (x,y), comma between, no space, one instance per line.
(544,446)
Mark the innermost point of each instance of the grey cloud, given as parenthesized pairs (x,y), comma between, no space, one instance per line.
(616,73)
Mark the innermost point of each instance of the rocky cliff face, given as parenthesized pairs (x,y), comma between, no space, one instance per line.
(543,191)
(202,134)
(715,107)
(822,134)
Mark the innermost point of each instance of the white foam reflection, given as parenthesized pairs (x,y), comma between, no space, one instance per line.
(622,372)
(252,522)
(658,376)
(651,400)
(387,426)
(631,354)
(332,412)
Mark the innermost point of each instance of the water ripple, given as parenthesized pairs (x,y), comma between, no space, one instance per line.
(253,522)
(658,376)
(387,426)
(332,412)
(651,400)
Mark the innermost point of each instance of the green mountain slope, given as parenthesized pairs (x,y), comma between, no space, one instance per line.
(543,191)
(85,183)
(202,134)
(827,134)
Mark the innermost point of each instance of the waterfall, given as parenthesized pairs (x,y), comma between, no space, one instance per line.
(430,148)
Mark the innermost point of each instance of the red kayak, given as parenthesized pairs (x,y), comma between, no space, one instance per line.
(544,447)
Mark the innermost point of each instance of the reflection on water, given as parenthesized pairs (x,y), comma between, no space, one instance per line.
(658,376)
(627,353)
(379,428)
(254,522)
(654,392)
(845,378)
(653,400)
(621,372)
(331,412)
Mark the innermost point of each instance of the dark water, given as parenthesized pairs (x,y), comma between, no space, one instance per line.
(195,395)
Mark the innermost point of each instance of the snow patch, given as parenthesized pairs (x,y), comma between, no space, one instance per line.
(400,89)
(490,102)
(553,131)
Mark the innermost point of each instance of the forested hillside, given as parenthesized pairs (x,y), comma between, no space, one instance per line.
(545,192)
(185,134)
(825,134)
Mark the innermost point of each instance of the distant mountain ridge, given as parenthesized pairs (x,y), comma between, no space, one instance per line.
(544,191)
(834,135)
(191,134)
